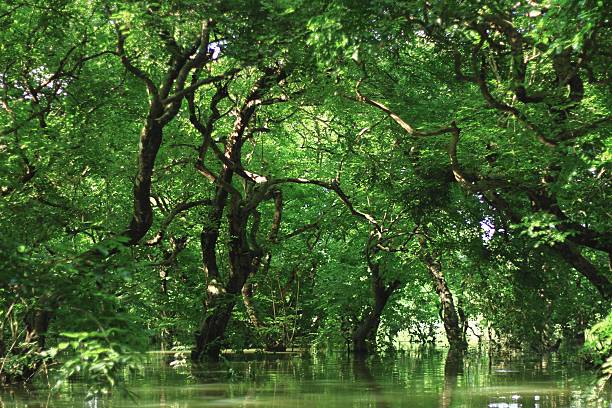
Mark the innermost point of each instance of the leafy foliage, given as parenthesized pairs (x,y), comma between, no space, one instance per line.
(279,174)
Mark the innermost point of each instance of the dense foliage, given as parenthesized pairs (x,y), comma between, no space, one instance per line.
(275,174)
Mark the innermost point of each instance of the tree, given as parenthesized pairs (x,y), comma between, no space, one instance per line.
(328,172)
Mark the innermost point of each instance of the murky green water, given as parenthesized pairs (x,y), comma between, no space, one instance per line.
(415,379)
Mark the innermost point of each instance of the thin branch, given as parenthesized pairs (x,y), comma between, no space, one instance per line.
(131,67)
(581,131)
(302,229)
(185,91)
(170,217)
(500,106)
(396,118)
(216,180)
(335,187)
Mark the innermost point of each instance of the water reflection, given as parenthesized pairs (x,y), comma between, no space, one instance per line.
(453,367)
(516,401)
(421,378)
(364,375)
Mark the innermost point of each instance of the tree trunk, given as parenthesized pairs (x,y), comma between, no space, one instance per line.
(150,142)
(209,336)
(364,335)
(247,299)
(36,322)
(450,318)
(244,254)
(36,327)
(220,303)
(221,299)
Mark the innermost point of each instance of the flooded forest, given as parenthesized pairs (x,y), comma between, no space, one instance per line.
(287,203)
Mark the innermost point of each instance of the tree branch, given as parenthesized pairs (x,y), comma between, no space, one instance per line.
(335,187)
(170,217)
(127,63)
(185,91)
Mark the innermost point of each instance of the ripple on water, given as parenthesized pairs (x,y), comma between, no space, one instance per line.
(421,380)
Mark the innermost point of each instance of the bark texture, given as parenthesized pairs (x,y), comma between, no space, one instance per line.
(449,315)
(244,253)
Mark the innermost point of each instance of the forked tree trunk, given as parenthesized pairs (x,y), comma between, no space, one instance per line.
(243,253)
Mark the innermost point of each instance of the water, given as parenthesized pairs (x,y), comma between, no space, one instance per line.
(413,379)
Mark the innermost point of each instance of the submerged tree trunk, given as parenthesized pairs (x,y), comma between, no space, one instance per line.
(210,335)
(364,334)
(450,318)
(221,297)
(272,340)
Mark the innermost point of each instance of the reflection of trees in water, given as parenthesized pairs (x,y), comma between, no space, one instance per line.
(245,377)
(453,367)
(364,375)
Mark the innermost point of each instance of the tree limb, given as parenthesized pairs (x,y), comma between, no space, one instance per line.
(170,217)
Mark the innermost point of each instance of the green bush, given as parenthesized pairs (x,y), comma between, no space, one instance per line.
(94,357)
(598,347)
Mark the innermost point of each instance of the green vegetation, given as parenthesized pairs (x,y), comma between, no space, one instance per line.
(277,174)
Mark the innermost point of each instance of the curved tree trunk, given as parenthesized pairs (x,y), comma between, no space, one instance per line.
(243,252)
(364,335)
(164,105)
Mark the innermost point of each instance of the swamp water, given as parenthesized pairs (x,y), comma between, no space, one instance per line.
(411,379)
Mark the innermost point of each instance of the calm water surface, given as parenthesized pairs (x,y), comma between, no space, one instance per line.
(414,379)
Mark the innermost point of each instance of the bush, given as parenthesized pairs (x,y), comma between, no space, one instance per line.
(598,347)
